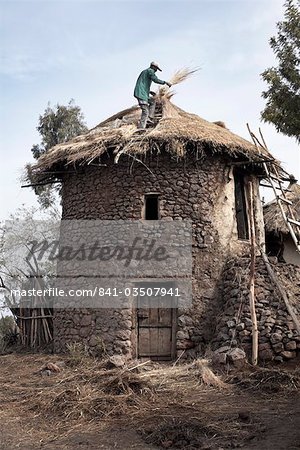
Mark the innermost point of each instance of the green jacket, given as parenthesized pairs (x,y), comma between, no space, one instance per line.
(142,87)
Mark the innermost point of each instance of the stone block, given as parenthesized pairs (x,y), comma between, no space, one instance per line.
(185,344)
(116,361)
(231,323)
(223,349)
(291,345)
(240,326)
(278,347)
(181,335)
(265,352)
(86,320)
(84,332)
(276,337)
(237,357)
(288,355)
(219,358)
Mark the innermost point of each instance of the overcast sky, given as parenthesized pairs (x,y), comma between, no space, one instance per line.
(93,51)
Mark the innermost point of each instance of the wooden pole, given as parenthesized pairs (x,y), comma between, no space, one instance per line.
(281,291)
(252,278)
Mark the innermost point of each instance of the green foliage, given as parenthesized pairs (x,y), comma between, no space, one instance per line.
(78,353)
(56,125)
(7,324)
(283,95)
(8,333)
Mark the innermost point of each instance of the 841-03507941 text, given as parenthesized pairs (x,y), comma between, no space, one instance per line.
(140,292)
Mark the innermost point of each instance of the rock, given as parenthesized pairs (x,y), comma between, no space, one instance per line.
(185,320)
(276,337)
(244,333)
(93,341)
(288,355)
(291,345)
(185,344)
(116,361)
(278,347)
(219,358)
(84,332)
(278,359)
(223,337)
(124,335)
(240,327)
(265,352)
(248,322)
(273,259)
(231,323)
(225,348)
(237,357)
(182,335)
(86,321)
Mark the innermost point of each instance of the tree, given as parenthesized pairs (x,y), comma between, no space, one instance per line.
(283,95)
(21,268)
(56,125)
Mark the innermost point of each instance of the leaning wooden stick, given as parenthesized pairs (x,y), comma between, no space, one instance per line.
(252,279)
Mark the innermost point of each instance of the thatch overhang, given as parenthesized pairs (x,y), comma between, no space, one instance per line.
(178,133)
(274,222)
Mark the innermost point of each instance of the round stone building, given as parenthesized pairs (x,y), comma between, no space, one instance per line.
(182,168)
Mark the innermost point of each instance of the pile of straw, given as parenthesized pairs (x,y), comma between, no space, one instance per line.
(267,380)
(183,377)
(94,391)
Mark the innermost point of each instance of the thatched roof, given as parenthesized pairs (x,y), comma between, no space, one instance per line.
(273,218)
(177,132)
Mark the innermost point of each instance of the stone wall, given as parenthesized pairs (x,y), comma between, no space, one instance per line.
(100,330)
(201,191)
(278,338)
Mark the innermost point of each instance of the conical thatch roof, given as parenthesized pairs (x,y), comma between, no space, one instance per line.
(273,218)
(177,132)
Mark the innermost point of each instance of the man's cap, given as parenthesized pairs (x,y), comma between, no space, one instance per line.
(155,64)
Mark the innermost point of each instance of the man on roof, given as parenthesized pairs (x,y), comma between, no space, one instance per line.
(142,93)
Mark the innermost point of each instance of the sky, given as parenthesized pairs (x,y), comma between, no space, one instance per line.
(93,51)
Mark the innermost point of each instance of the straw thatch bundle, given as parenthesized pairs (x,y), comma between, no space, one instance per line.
(177,132)
(273,217)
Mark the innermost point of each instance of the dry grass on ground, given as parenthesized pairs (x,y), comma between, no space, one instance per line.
(184,406)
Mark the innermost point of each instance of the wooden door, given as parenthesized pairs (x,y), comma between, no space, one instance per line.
(156,323)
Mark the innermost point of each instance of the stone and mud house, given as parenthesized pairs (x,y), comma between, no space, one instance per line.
(183,167)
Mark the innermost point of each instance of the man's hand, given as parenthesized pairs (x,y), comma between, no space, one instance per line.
(168,84)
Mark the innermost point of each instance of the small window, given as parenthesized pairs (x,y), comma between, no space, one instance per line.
(241,207)
(151,207)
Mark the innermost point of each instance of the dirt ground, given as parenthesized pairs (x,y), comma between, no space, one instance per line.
(86,407)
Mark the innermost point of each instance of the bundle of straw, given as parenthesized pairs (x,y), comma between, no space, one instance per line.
(178,77)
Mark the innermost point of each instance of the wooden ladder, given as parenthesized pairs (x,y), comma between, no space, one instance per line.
(157,116)
(276,181)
